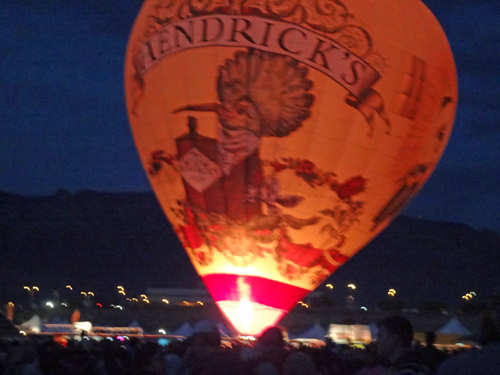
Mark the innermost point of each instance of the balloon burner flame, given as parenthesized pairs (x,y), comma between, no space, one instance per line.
(245,311)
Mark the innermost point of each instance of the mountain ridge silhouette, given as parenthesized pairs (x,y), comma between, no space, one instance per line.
(100,240)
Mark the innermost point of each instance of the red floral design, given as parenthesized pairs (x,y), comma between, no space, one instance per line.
(217,228)
(336,256)
(278,166)
(190,236)
(250,11)
(193,236)
(156,159)
(190,218)
(154,168)
(290,270)
(214,241)
(190,233)
(304,255)
(305,167)
(263,232)
(157,155)
(200,256)
(331,181)
(351,186)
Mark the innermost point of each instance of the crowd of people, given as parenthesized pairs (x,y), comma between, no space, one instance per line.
(204,353)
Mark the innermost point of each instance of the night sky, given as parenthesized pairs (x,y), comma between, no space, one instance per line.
(65,124)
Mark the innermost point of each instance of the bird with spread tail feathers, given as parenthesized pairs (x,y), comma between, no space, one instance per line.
(265,93)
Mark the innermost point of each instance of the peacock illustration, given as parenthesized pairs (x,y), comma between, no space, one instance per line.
(261,94)
(264,93)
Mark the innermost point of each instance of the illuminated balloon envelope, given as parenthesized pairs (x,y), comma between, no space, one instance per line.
(281,137)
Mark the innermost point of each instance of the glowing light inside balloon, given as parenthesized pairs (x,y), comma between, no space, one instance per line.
(254,319)
(245,310)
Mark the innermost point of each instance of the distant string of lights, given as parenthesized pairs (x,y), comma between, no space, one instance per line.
(469,296)
(144,298)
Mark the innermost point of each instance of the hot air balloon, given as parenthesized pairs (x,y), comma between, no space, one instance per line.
(281,137)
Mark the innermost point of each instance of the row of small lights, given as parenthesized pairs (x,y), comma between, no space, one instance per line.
(391,292)
(121,290)
(469,296)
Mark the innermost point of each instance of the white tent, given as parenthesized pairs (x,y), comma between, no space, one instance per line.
(34,324)
(454,327)
(313,332)
(184,330)
(134,324)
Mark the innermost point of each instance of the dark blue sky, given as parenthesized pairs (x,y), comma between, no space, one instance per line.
(65,124)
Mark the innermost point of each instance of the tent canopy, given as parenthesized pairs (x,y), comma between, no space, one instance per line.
(313,332)
(34,324)
(454,327)
(134,324)
(185,330)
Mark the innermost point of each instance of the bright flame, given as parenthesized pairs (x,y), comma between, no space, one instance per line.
(262,316)
(247,316)
(245,310)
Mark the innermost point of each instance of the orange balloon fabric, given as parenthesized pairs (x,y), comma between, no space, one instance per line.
(280,138)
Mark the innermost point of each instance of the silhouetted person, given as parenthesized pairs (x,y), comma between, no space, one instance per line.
(271,353)
(430,354)
(272,357)
(394,339)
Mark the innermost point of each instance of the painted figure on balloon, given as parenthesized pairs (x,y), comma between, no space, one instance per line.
(261,95)
(233,199)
